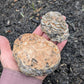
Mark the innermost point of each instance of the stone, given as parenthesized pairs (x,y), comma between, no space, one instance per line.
(54,25)
(35,55)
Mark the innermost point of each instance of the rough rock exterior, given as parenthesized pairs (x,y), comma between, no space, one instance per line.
(35,55)
(54,25)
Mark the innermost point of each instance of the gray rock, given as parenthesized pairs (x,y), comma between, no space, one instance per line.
(54,25)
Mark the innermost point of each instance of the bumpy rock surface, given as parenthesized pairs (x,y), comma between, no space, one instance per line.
(54,25)
(35,55)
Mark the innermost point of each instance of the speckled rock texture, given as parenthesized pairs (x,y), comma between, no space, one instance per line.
(54,25)
(35,55)
(71,68)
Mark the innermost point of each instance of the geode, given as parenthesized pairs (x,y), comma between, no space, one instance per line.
(54,25)
(35,55)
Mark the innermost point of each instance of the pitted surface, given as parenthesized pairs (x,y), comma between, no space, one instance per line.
(35,55)
(54,25)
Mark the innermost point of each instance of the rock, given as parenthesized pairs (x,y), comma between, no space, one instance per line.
(54,25)
(82,51)
(35,55)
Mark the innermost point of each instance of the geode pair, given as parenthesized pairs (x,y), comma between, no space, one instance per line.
(37,56)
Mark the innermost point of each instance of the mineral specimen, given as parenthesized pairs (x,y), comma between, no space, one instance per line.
(54,25)
(35,55)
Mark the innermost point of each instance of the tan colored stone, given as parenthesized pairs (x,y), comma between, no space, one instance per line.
(35,55)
